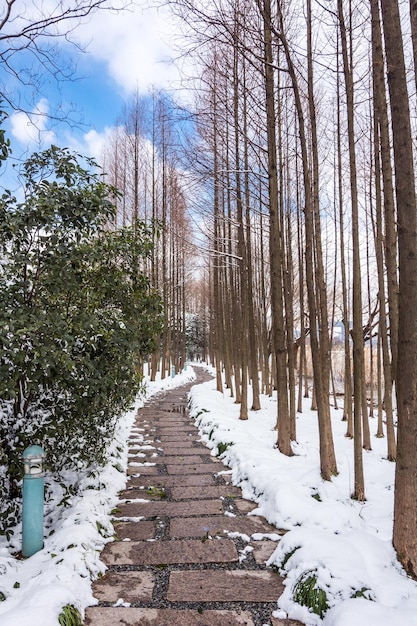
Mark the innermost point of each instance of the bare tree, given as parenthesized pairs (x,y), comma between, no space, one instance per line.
(30,36)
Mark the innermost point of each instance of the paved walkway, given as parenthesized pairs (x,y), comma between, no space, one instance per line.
(179,558)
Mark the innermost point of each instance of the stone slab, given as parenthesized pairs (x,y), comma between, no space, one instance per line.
(181,459)
(103,616)
(131,586)
(137,531)
(200,526)
(169,552)
(153,457)
(170,509)
(284,622)
(224,586)
(148,493)
(245,506)
(202,492)
(195,468)
(169,422)
(188,480)
(143,470)
(135,451)
(174,437)
(178,444)
(188,449)
(262,550)
(177,427)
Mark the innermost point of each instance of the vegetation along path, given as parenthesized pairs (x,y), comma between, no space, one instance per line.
(179,558)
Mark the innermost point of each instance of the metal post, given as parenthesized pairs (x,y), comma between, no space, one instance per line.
(172,371)
(32,500)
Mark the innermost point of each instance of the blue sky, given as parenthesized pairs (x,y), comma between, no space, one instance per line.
(125,52)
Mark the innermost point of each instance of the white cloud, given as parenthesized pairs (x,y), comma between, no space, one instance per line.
(135,45)
(94,142)
(30,128)
(90,144)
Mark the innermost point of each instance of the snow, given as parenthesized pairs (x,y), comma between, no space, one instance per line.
(61,573)
(344,543)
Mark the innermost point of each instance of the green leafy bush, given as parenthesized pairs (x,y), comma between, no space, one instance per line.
(77,315)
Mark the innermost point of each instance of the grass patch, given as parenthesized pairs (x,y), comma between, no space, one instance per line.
(362,593)
(70,616)
(308,594)
(102,530)
(288,556)
(222,447)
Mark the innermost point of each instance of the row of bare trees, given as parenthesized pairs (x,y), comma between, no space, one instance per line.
(305,152)
(140,159)
(300,175)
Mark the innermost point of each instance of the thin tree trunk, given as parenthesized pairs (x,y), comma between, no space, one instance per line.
(357,334)
(381,142)
(278,329)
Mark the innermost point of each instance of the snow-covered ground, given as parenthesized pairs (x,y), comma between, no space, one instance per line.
(345,544)
(36,589)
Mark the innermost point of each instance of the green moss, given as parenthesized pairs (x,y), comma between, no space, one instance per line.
(308,594)
(156,492)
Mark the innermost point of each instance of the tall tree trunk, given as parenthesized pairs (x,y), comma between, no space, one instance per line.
(243,286)
(278,328)
(253,351)
(323,319)
(217,251)
(347,401)
(357,333)
(328,465)
(405,498)
(382,140)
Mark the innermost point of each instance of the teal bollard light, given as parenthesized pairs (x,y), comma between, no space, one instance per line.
(172,371)
(32,500)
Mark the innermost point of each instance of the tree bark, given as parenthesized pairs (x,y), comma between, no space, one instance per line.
(405,498)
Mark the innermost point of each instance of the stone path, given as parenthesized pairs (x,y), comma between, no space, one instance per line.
(179,558)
